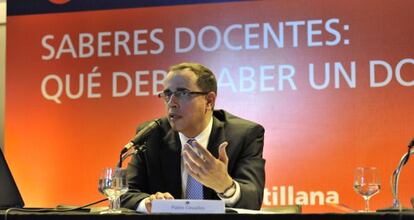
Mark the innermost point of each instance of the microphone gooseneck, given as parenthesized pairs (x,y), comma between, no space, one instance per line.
(396,175)
(138,141)
(410,145)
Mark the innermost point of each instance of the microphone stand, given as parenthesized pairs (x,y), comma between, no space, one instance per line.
(131,151)
(396,205)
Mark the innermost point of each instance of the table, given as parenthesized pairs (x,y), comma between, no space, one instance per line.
(81,215)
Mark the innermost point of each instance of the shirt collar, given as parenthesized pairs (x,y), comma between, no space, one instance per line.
(201,138)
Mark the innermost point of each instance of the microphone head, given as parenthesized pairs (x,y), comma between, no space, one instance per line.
(145,131)
(411,144)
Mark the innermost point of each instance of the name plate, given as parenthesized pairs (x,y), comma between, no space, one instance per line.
(188,206)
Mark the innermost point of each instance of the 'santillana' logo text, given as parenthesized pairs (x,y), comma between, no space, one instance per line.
(283,195)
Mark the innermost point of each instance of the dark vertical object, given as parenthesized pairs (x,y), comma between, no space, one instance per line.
(9,193)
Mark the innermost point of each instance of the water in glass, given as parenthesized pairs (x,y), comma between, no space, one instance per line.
(113,183)
(367,183)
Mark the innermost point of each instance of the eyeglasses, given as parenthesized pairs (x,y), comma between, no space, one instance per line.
(179,94)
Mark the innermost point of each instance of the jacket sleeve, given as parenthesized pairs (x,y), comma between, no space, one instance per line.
(136,174)
(248,169)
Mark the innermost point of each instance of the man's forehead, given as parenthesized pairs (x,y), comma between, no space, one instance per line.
(187,72)
(180,79)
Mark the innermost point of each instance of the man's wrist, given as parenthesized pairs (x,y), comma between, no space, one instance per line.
(142,207)
(228,192)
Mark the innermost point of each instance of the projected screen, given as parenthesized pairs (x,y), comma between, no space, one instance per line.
(331,82)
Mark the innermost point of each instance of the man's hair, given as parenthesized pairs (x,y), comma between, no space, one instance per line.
(206,80)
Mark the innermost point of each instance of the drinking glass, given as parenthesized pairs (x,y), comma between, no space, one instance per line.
(367,183)
(112,184)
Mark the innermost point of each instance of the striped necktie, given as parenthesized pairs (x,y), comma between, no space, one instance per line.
(194,188)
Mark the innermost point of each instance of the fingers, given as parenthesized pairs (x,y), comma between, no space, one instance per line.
(148,204)
(191,153)
(201,162)
(192,172)
(222,152)
(193,168)
(202,151)
(168,196)
(160,195)
(157,195)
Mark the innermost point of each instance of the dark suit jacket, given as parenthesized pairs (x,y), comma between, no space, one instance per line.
(158,169)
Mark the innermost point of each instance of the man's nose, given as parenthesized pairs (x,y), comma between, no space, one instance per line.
(173,101)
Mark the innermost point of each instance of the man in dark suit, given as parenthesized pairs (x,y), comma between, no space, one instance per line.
(197,152)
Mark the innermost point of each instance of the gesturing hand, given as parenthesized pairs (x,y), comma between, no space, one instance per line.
(205,168)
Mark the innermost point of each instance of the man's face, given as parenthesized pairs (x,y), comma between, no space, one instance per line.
(188,115)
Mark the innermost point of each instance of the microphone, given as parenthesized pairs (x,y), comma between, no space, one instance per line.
(141,135)
(411,144)
(137,140)
(396,175)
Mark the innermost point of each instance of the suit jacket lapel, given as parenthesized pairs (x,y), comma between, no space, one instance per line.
(217,137)
(171,163)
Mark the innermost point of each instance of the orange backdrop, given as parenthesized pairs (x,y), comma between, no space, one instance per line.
(331,81)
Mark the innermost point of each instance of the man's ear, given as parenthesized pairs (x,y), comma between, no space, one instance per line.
(211,100)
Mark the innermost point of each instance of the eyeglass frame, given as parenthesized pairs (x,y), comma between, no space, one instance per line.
(185,93)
